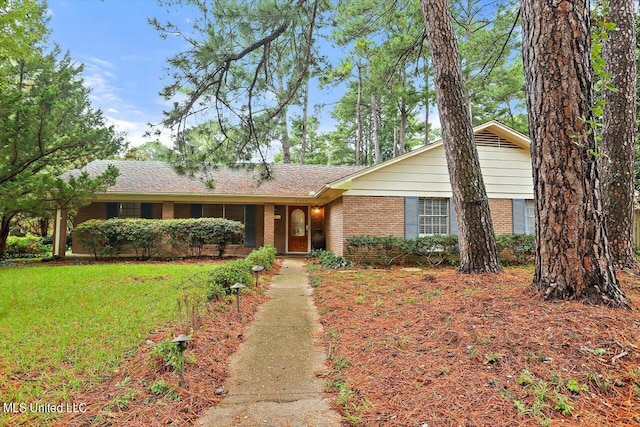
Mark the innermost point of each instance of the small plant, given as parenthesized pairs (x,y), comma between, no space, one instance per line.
(122,401)
(599,351)
(492,358)
(330,260)
(575,387)
(170,355)
(160,387)
(189,306)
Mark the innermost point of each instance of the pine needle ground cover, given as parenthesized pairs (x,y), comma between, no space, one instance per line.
(65,327)
(414,347)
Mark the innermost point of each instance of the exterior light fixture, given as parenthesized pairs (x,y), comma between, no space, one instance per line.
(237,287)
(182,340)
(257,269)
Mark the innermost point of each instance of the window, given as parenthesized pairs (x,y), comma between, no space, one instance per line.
(529,217)
(129,210)
(212,211)
(433,216)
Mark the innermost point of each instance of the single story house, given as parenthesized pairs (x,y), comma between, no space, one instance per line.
(407,196)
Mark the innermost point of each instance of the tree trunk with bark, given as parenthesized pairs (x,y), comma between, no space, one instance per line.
(618,135)
(572,259)
(4,234)
(478,252)
(358,146)
(376,130)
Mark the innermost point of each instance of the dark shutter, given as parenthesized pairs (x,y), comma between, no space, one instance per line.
(250,226)
(453,217)
(519,212)
(410,217)
(113,210)
(196,210)
(146,210)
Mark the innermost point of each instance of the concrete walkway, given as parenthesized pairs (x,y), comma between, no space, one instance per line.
(272,379)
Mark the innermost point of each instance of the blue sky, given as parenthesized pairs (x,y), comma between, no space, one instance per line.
(124,57)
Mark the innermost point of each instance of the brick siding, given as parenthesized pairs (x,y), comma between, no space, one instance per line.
(374,216)
(501,215)
(334,231)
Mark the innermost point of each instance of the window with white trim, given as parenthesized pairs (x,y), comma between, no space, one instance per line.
(530,217)
(433,216)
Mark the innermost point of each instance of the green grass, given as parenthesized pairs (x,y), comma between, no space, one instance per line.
(63,327)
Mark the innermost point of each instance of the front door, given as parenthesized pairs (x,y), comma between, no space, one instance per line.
(298,229)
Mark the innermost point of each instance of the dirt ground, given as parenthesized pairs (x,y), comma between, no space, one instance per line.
(413,347)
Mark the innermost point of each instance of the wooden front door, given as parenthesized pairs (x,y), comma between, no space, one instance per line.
(298,229)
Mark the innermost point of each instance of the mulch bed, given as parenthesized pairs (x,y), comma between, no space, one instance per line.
(125,399)
(437,348)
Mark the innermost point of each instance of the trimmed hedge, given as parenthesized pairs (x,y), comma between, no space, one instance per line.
(150,237)
(430,250)
(28,246)
(220,280)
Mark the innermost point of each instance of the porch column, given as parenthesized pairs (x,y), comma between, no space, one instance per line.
(269,224)
(60,233)
(168,210)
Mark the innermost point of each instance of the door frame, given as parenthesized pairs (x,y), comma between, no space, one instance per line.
(308,225)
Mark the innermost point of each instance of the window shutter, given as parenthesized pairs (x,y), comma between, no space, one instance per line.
(196,210)
(519,212)
(250,226)
(410,217)
(113,209)
(146,210)
(453,217)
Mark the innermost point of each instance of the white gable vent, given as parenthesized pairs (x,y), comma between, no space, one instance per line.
(489,139)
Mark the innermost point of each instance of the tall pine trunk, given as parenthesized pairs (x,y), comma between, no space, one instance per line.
(478,252)
(358,146)
(375,131)
(572,259)
(618,135)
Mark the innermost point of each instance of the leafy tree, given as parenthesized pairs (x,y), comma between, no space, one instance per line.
(573,260)
(47,125)
(478,250)
(236,46)
(152,150)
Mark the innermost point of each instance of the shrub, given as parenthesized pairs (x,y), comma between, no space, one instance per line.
(225,276)
(265,256)
(220,279)
(331,260)
(144,236)
(428,250)
(522,246)
(28,246)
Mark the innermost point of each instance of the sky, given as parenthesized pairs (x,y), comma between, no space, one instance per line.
(125,59)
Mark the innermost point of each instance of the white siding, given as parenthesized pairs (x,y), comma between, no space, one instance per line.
(506,171)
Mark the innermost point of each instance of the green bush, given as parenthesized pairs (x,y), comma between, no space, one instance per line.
(330,260)
(147,236)
(220,279)
(28,246)
(522,246)
(225,276)
(265,256)
(429,250)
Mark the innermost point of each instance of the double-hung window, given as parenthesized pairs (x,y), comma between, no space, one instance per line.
(433,216)
(529,217)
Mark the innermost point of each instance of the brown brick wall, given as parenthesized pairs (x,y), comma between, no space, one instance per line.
(501,215)
(374,216)
(334,226)
(280,228)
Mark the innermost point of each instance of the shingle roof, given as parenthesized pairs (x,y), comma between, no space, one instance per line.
(159,177)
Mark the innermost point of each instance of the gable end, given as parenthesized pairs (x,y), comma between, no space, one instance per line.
(490,139)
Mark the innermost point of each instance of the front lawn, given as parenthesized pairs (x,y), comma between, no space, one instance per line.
(416,347)
(64,327)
